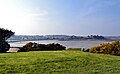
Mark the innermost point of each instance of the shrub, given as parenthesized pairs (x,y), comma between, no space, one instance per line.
(86,50)
(26,48)
(108,48)
(41,47)
(4,46)
(4,35)
(55,47)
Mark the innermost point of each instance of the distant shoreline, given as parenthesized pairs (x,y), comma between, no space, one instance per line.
(18,38)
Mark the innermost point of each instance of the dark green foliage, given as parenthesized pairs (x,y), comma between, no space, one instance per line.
(4,46)
(26,48)
(108,48)
(4,35)
(86,50)
(96,37)
(41,47)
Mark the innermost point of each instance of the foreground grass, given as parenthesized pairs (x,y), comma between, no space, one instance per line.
(59,62)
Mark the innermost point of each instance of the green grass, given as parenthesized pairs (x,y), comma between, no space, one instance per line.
(58,62)
(74,49)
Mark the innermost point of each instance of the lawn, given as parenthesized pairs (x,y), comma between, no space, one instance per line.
(59,62)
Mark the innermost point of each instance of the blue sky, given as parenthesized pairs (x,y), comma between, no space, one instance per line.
(71,17)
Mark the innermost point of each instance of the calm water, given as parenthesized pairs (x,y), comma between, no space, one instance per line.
(68,44)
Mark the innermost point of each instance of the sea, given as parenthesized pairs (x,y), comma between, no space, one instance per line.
(67,44)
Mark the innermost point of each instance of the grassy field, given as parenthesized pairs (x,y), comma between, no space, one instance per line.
(59,62)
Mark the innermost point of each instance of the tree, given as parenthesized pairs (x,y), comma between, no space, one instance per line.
(4,35)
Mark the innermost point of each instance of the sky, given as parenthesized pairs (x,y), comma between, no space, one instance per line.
(69,17)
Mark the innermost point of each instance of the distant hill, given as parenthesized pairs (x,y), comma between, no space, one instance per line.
(60,37)
(114,38)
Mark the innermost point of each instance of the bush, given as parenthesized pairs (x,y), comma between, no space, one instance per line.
(108,48)
(4,46)
(41,47)
(26,48)
(4,35)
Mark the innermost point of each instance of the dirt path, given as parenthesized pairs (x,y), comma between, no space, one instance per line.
(13,50)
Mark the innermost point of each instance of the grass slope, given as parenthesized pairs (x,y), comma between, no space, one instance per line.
(59,62)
